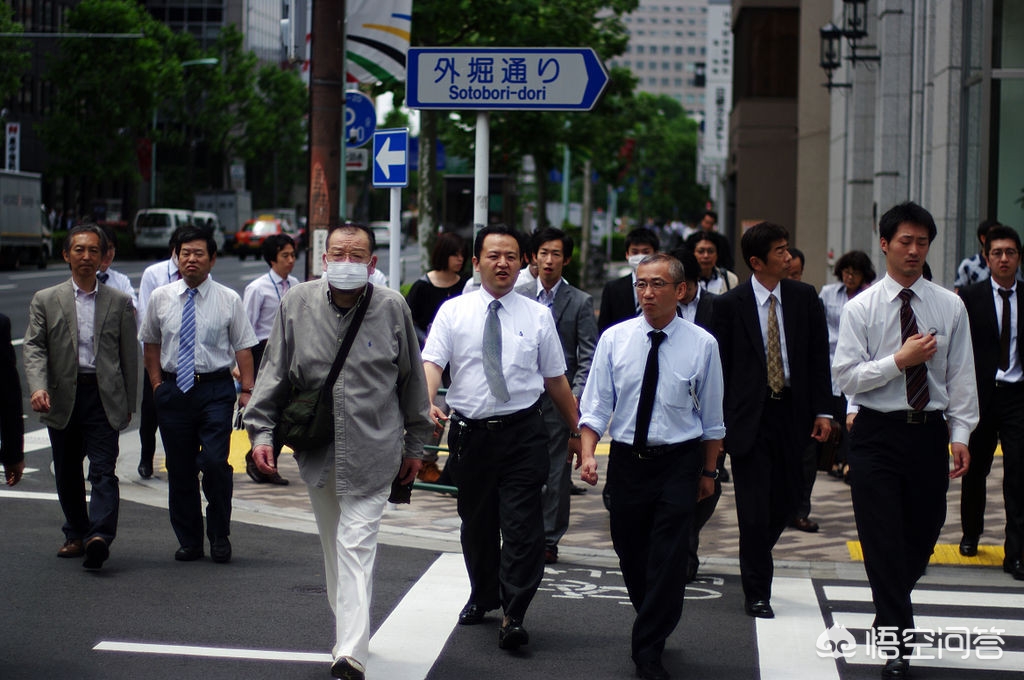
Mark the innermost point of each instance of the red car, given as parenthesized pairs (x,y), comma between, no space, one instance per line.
(249,239)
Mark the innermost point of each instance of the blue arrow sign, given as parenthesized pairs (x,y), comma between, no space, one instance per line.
(504,78)
(391,158)
(360,118)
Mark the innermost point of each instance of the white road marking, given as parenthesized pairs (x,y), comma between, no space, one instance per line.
(405,646)
(27,495)
(924,596)
(786,644)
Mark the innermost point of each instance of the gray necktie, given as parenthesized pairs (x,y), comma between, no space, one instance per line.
(492,354)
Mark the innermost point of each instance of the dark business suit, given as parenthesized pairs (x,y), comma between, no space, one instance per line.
(573,311)
(86,410)
(766,436)
(1002,419)
(12,425)
(617,302)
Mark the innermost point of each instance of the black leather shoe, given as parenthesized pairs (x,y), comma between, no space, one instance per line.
(145,470)
(577,490)
(1016,570)
(188,553)
(348,668)
(472,614)
(253,471)
(969,546)
(804,524)
(512,635)
(896,668)
(96,553)
(652,670)
(276,479)
(761,609)
(220,549)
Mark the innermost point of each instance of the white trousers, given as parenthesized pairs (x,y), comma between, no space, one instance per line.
(348,534)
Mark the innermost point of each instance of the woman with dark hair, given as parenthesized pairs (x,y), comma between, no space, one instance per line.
(855,273)
(444,280)
(713,279)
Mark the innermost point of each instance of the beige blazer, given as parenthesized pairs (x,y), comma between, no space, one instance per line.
(51,353)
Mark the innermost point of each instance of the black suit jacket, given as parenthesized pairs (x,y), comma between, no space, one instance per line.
(12,426)
(617,302)
(738,331)
(982,312)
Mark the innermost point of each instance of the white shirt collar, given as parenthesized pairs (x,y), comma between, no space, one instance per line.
(761,293)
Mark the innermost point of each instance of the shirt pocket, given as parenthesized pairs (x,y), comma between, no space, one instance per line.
(678,392)
(524,351)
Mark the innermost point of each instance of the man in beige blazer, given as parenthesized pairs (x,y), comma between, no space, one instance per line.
(81,365)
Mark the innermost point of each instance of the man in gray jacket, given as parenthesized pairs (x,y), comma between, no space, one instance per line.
(380,414)
(81,366)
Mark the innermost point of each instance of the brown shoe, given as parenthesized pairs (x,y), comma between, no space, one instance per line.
(804,524)
(429,473)
(72,548)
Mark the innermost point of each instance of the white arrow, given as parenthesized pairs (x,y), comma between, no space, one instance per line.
(386,158)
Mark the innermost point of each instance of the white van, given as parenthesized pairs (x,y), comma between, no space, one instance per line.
(153,228)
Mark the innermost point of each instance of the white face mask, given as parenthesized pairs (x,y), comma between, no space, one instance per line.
(634,260)
(347,275)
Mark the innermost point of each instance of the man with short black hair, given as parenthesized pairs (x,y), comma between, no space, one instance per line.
(194,332)
(904,355)
(618,299)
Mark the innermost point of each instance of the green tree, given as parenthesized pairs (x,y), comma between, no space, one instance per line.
(14,53)
(276,135)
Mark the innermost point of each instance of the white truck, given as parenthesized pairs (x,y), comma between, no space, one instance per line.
(233,208)
(24,236)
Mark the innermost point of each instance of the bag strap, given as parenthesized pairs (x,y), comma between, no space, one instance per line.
(350,337)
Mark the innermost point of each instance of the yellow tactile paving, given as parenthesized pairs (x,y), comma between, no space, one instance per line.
(988,555)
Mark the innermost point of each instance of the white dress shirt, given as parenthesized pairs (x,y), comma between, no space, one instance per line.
(761,297)
(221,326)
(261,300)
(1013,372)
(833,299)
(156,275)
(689,311)
(688,399)
(864,366)
(541,293)
(85,313)
(116,279)
(531,352)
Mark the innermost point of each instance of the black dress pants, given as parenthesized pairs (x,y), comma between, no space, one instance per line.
(651,515)
(899,477)
(500,474)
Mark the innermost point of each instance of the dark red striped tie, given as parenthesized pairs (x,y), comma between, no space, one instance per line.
(917,376)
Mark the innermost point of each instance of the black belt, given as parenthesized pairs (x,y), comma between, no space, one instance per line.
(1009,385)
(907,417)
(655,451)
(222,374)
(87,379)
(496,423)
(780,395)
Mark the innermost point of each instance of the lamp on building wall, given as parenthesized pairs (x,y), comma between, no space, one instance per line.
(831,44)
(855,27)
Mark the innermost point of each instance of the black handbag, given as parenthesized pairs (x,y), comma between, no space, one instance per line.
(307,422)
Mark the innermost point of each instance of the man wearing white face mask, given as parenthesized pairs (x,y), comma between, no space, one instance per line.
(380,410)
(618,300)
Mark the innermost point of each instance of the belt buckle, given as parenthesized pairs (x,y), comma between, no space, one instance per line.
(492,425)
(916,417)
(642,454)
(777,396)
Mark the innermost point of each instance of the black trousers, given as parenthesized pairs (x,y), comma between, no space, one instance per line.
(500,474)
(147,423)
(651,515)
(1002,422)
(899,477)
(768,482)
(88,434)
(196,432)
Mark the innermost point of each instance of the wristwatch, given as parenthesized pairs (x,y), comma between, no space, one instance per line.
(575,435)
(711,474)
(247,390)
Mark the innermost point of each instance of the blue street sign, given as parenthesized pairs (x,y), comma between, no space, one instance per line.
(504,78)
(391,158)
(360,118)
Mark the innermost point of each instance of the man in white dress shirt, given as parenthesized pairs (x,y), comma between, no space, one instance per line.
(504,354)
(261,300)
(904,353)
(195,330)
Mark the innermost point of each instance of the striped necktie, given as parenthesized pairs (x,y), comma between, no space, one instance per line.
(187,344)
(917,376)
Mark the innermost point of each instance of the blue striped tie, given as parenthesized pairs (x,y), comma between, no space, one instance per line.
(187,344)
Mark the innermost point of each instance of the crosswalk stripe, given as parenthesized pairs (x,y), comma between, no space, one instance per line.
(786,644)
(1010,627)
(925,596)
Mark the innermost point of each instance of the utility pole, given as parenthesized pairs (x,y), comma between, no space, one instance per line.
(326,117)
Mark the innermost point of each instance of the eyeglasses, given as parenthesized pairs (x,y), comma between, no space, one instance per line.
(998,254)
(657,284)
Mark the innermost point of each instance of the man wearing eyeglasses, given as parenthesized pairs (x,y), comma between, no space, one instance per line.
(995,314)
(666,433)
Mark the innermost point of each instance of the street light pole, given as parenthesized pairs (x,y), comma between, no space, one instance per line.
(208,61)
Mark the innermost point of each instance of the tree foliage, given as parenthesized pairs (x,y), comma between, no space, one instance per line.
(14,53)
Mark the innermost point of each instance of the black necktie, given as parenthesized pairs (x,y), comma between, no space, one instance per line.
(1004,332)
(102,276)
(645,407)
(917,376)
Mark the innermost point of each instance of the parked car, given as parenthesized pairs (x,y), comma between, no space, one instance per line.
(153,228)
(250,237)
